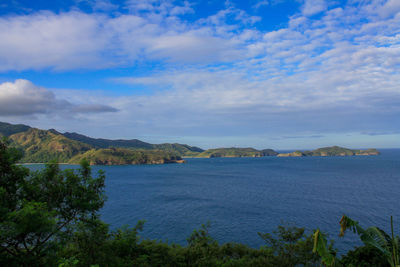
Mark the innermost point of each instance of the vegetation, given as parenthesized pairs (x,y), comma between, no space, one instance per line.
(375,237)
(331,151)
(40,209)
(7,129)
(41,146)
(181,150)
(45,146)
(123,156)
(268,152)
(50,218)
(236,152)
(380,248)
(339,151)
(105,143)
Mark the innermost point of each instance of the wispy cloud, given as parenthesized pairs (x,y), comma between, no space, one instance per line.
(261,4)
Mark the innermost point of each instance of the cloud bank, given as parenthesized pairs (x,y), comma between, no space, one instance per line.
(23,98)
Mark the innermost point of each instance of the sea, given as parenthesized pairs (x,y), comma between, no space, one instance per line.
(241,197)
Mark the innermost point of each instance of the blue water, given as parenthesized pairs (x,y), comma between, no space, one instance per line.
(243,196)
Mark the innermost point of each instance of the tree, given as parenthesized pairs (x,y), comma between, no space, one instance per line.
(202,249)
(374,238)
(38,209)
(387,245)
(364,256)
(291,246)
(324,251)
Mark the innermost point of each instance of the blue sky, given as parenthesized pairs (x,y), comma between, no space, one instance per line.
(267,74)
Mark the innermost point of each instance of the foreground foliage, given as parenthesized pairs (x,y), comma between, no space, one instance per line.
(50,218)
(38,208)
(380,248)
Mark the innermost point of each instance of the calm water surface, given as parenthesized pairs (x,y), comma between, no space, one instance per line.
(243,196)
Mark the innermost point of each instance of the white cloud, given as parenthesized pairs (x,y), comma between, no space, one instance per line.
(75,40)
(382,8)
(23,98)
(312,7)
(334,73)
(390,8)
(336,69)
(261,4)
(99,5)
(164,7)
(43,40)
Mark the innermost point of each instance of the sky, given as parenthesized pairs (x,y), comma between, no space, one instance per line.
(281,74)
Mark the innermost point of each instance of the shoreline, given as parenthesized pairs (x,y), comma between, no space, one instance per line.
(38,163)
(279,155)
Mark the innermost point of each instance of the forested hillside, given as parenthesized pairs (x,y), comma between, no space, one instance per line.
(41,146)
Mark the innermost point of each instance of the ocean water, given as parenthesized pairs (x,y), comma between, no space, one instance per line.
(243,196)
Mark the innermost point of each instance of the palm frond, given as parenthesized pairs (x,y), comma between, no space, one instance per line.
(347,223)
(321,247)
(377,238)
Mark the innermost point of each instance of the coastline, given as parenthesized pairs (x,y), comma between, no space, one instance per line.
(38,163)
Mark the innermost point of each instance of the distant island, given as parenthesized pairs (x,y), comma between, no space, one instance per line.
(235,152)
(41,146)
(331,151)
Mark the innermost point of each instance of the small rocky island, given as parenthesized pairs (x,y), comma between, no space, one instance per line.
(332,151)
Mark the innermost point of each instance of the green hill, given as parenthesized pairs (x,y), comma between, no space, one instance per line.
(331,151)
(7,129)
(236,152)
(123,156)
(44,146)
(40,146)
(340,151)
(180,149)
(106,143)
(268,152)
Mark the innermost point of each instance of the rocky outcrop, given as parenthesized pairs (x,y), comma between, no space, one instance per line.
(368,152)
(292,154)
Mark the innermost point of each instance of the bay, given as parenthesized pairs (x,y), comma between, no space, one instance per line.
(243,196)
